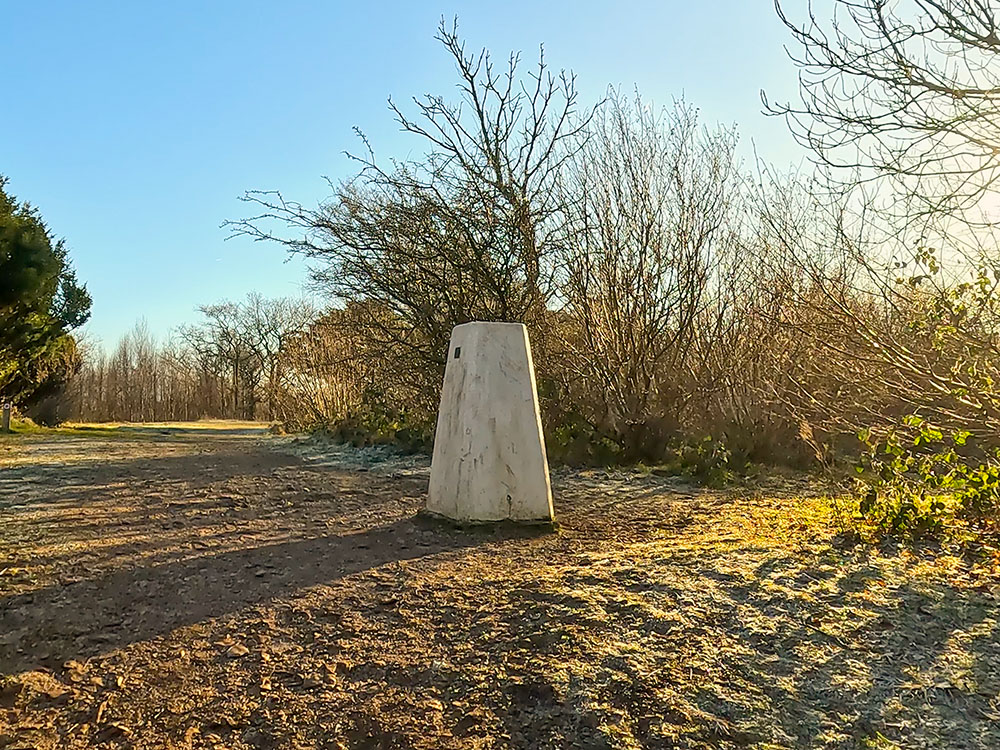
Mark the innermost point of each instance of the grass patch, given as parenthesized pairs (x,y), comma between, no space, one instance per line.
(131,430)
(26,427)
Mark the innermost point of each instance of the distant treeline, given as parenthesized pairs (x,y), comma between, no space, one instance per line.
(233,364)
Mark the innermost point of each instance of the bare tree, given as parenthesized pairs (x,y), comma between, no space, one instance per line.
(268,326)
(907,92)
(221,346)
(896,251)
(245,342)
(467,233)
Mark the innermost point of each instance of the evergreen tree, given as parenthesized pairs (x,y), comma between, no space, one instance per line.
(41,301)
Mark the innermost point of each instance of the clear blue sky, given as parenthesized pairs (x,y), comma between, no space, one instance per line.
(135,127)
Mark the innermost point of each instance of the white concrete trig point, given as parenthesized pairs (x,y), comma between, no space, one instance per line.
(489,459)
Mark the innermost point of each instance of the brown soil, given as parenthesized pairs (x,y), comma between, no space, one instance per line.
(175,588)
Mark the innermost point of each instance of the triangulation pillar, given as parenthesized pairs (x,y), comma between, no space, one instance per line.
(489,459)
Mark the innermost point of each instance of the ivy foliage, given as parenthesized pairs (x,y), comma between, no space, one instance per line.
(915,480)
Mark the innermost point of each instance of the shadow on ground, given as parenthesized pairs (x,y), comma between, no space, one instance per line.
(87,617)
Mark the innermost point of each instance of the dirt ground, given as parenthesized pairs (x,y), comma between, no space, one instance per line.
(216,587)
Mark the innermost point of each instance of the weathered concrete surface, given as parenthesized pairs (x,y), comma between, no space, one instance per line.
(489,459)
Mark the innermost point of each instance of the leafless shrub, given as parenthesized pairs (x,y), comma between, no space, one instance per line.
(891,331)
(669,311)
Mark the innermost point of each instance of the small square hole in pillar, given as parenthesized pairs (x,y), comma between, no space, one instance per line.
(458,352)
